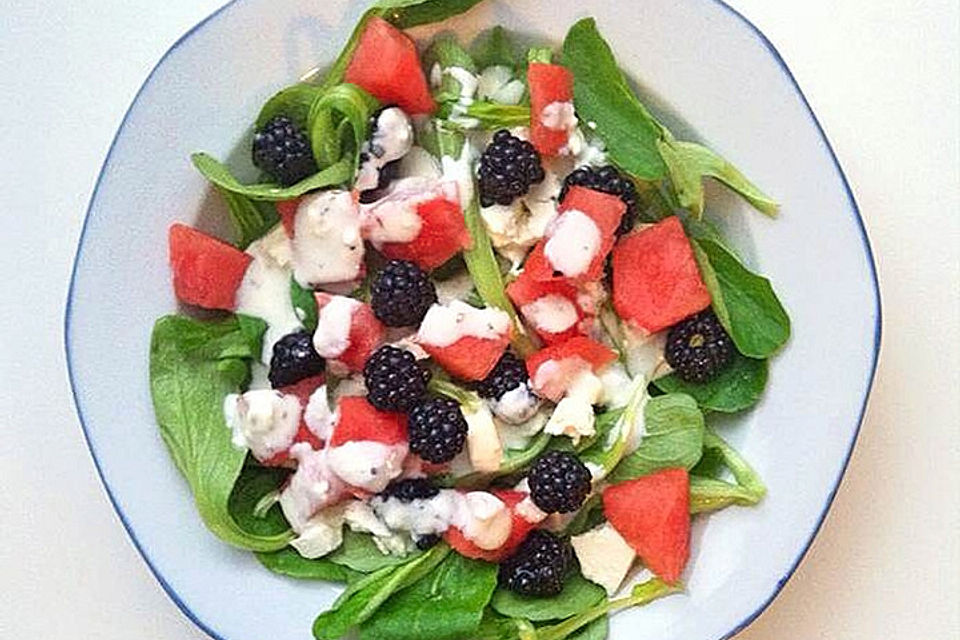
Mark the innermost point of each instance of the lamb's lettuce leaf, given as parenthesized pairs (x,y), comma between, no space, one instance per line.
(494,47)
(304,305)
(250,219)
(489,115)
(711,494)
(293,102)
(360,553)
(736,388)
(338,124)
(578,595)
(608,449)
(287,562)
(193,366)
(219,174)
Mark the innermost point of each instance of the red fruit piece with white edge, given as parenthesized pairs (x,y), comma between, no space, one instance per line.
(551,95)
(287,210)
(365,334)
(602,209)
(465,340)
(469,358)
(550,307)
(359,420)
(302,390)
(206,272)
(385,63)
(443,234)
(652,513)
(519,528)
(656,280)
(553,369)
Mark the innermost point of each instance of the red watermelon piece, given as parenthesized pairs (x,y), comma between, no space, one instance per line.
(386,65)
(443,234)
(549,83)
(359,420)
(206,272)
(287,210)
(652,514)
(519,529)
(526,290)
(656,281)
(571,357)
(366,333)
(469,358)
(605,210)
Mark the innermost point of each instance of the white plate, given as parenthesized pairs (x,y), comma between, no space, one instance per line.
(700,57)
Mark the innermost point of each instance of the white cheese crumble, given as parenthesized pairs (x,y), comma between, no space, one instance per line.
(573,243)
(573,416)
(529,511)
(312,487)
(367,464)
(551,313)
(516,406)
(327,244)
(264,421)
(497,84)
(391,141)
(605,557)
(444,325)
(318,415)
(483,441)
(514,228)
(332,336)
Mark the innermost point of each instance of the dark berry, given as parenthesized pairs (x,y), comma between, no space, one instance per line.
(394,379)
(508,167)
(294,359)
(401,294)
(509,373)
(607,180)
(283,151)
(539,566)
(427,542)
(699,348)
(559,482)
(388,173)
(409,489)
(437,429)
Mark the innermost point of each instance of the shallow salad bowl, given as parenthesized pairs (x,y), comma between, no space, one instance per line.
(698,58)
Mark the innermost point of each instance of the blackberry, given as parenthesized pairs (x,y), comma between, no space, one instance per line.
(699,348)
(437,429)
(409,489)
(388,173)
(401,294)
(509,373)
(294,359)
(539,566)
(508,167)
(283,150)
(427,542)
(394,380)
(607,180)
(559,482)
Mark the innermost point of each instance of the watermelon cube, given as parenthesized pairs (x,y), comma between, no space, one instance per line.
(656,281)
(551,87)
(519,529)
(287,210)
(366,333)
(385,63)
(206,272)
(360,421)
(443,234)
(566,361)
(469,358)
(652,513)
(550,307)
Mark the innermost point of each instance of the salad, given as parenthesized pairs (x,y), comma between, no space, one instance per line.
(465,348)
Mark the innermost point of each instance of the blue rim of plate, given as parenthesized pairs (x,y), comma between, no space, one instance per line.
(175,597)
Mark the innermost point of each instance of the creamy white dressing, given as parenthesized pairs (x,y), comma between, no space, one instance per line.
(516,227)
(551,313)
(332,336)
(617,386)
(419,163)
(553,377)
(327,244)
(367,464)
(391,140)
(394,217)
(573,243)
(443,325)
(529,511)
(312,487)
(468,89)
(460,171)
(265,289)
(559,116)
(516,406)
(264,421)
(319,417)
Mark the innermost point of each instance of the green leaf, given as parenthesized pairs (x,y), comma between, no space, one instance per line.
(360,553)
(709,494)
(249,220)
(641,594)
(287,562)
(609,449)
(193,366)
(293,102)
(218,173)
(490,115)
(599,629)
(256,482)
(602,95)
(744,302)
(542,55)
(496,627)
(685,177)
(447,52)
(704,162)
(514,460)
(364,597)
(304,305)
(578,595)
(445,605)
(494,47)
(674,438)
(738,387)
(588,517)
(338,124)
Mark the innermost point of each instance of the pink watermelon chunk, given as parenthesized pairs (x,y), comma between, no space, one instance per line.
(656,281)
(287,209)
(652,514)
(206,272)
(526,290)
(386,65)
(359,420)
(443,234)
(366,333)
(469,358)
(570,359)
(519,529)
(549,83)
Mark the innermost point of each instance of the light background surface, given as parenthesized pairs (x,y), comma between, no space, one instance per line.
(882,75)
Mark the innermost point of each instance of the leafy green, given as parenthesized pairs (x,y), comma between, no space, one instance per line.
(578,595)
(744,302)
(710,494)
(446,51)
(540,54)
(304,305)
(446,604)
(254,483)
(360,553)
(602,95)
(287,562)
(364,597)
(738,387)
(249,220)
(599,629)
(496,627)
(514,460)
(490,115)
(193,366)
(673,438)
(608,450)
(640,595)
(293,102)
(338,124)
(494,47)
(218,173)
(440,139)
(589,516)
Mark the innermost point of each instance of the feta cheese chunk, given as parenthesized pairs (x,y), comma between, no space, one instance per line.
(332,336)
(327,245)
(391,140)
(573,416)
(574,241)
(311,488)
(366,464)
(320,535)
(264,421)
(483,441)
(605,557)
(484,520)
(318,415)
